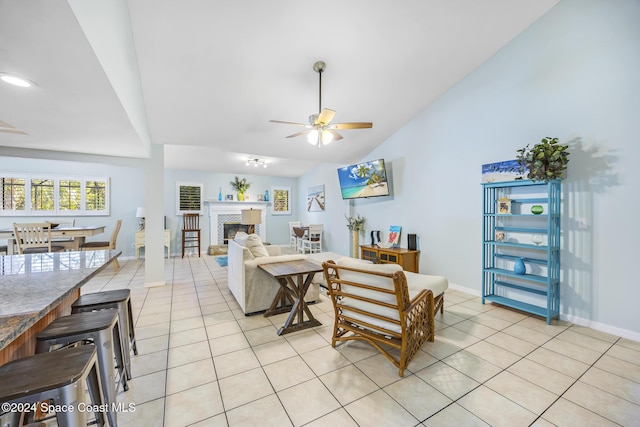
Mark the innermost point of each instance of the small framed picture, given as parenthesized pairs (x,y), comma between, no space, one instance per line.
(500,236)
(229,197)
(504,205)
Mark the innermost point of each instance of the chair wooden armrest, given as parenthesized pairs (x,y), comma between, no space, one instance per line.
(371,304)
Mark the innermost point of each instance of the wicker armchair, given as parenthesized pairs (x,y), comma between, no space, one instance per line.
(372,303)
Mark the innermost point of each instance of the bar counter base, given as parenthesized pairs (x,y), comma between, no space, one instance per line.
(25,344)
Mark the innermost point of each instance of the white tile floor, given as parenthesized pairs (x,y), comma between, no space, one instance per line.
(201,362)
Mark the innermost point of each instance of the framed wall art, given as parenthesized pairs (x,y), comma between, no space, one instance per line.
(315,199)
(281,200)
(504,205)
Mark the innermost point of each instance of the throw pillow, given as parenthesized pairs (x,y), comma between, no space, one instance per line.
(255,246)
(241,238)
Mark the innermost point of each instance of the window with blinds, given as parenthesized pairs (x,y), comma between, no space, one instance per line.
(35,194)
(188,198)
(281,200)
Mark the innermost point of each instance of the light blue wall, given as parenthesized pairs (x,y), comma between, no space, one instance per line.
(573,74)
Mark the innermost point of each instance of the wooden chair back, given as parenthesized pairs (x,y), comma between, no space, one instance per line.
(32,236)
(191,232)
(374,306)
(191,222)
(114,234)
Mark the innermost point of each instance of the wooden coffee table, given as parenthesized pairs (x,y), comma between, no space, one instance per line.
(290,297)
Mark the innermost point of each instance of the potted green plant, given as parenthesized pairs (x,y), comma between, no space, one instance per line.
(545,161)
(241,186)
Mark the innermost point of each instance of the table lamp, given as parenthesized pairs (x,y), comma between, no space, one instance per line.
(251,217)
(140,213)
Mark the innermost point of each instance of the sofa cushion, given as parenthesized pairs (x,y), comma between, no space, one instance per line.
(368,265)
(417,282)
(254,244)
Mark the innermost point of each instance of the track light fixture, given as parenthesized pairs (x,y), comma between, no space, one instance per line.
(256,162)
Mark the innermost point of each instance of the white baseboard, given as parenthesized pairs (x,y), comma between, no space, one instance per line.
(474,292)
(155,284)
(602,327)
(580,321)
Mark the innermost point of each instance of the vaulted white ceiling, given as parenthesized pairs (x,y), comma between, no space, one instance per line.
(204,77)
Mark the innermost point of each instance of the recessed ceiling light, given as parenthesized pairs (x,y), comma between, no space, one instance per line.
(16,81)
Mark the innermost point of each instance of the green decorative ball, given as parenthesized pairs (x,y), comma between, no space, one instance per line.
(537,209)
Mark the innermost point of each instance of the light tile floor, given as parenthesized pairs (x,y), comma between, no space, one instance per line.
(201,362)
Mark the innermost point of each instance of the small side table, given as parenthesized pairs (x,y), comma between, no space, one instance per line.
(139,242)
(290,297)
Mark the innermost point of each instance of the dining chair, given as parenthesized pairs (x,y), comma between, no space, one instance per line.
(293,238)
(68,242)
(34,238)
(191,232)
(104,245)
(313,241)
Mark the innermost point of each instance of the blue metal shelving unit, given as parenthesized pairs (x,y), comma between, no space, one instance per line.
(537,291)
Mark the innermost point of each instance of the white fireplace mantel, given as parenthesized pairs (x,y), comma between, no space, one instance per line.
(217,208)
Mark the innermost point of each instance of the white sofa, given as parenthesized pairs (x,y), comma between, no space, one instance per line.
(252,287)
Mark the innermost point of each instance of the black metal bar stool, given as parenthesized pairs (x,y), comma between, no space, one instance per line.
(120,299)
(102,329)
(59,376)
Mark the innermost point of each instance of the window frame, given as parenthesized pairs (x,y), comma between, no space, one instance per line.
(275,208)
(57,210)
(199,185)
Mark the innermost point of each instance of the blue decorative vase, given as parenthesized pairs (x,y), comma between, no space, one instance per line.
(519,267)
(266,195)
(220,195)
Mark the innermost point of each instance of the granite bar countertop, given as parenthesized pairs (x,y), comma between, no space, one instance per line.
(32,285)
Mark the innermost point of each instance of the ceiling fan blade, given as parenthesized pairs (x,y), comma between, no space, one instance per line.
(325,117)
(352,125)
(336,135)
(288,123)
(303,132)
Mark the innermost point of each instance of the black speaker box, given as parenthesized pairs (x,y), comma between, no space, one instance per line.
(411,242)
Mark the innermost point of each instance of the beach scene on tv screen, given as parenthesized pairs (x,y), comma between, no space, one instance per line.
(367,179)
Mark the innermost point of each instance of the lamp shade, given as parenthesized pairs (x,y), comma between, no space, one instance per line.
(251,216)
(140,213)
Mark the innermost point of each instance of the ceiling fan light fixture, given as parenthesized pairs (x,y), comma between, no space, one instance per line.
(312,137)
(327,137)
(321,131)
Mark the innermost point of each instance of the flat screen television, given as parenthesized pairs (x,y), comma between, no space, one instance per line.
(366,179)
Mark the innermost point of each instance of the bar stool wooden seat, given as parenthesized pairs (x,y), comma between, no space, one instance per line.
(59,376)
(102,329)
(120,299)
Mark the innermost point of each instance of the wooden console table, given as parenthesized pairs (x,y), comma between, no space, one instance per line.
(407,258)
(139,242)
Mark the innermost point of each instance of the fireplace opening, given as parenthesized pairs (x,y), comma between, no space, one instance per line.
(230,230)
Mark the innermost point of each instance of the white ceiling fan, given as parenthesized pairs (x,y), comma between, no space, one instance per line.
(320,131)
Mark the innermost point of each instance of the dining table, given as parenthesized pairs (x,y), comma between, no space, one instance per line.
(35,289)
(77,233)
(300,231)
